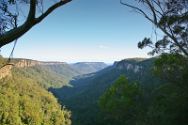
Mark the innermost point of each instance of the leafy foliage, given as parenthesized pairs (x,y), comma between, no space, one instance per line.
(172,68)
(169,102)
(32,103)
(168,106)
(120,102)
(24,102)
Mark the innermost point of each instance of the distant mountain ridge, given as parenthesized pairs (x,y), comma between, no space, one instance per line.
(52,73)
(88,67)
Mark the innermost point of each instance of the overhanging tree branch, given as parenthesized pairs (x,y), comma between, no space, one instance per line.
(31,21)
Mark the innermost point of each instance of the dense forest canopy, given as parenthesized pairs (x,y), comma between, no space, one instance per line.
(23,101)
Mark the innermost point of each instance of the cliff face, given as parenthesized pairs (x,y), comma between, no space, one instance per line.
(129,65)
(5,71)
(26,63)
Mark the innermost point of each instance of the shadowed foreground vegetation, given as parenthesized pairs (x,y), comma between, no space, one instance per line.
(156,94)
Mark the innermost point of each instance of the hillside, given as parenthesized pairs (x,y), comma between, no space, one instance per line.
(44,74)
(49,74)
(82,97)
(24,100)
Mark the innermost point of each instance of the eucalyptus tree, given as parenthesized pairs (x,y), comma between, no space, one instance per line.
(171,17)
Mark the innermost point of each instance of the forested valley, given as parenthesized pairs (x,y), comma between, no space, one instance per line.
(150,90)
(131,91)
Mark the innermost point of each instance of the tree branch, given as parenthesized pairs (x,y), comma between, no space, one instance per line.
(175,40)
(15,33)
(152,8)
(52,8)
(138,9)
(32,10)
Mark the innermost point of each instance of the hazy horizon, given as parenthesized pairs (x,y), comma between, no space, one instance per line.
(75,61)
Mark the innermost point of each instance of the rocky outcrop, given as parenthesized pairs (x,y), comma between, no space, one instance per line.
(5,71)
(26,63)
(129,65)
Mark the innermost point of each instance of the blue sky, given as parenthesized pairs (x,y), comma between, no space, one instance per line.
(85,30)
